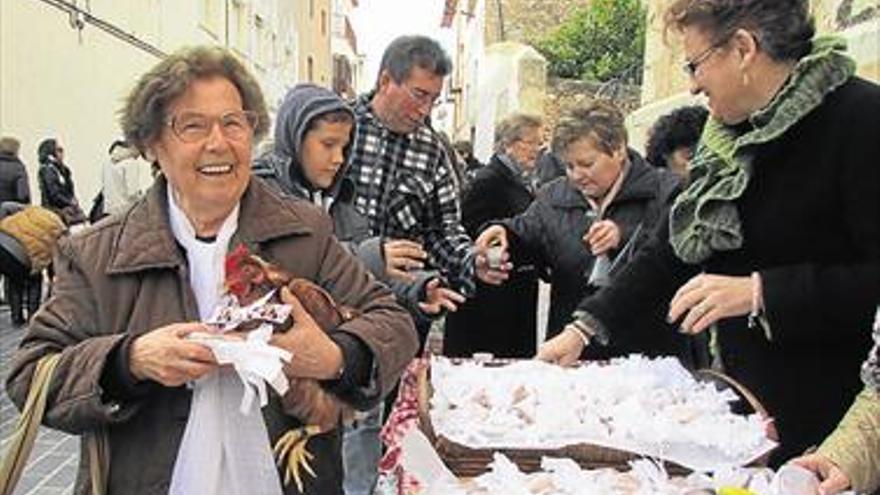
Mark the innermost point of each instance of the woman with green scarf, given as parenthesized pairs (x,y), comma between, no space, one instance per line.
(775,243)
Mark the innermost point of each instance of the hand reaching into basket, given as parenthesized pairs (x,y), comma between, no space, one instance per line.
(833,479)
(565,348)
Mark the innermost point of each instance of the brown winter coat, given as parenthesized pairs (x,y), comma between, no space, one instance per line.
(128,276)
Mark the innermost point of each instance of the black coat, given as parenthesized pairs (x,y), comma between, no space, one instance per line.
(13,180)
(498,319)
(811,225)
(550,231)
(56,185)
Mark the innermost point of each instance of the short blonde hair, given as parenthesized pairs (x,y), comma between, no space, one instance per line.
(600,120)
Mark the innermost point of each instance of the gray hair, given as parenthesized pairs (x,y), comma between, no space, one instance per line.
(600,120)
(406,52)
(512,129)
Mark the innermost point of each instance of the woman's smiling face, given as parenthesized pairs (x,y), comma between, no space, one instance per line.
(211,173)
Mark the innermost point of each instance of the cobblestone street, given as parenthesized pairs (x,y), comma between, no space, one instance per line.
(52,466)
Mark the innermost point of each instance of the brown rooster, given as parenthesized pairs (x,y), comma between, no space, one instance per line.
(248,278)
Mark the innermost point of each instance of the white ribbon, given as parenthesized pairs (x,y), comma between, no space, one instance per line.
(254,360)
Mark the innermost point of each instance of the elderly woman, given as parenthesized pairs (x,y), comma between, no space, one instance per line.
(586,226)
(500,320)
(132,290)
(776,241)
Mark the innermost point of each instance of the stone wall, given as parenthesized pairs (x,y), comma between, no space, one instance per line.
(526,21)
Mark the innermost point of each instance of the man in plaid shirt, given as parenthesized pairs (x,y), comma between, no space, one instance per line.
(405,186)
(404,181)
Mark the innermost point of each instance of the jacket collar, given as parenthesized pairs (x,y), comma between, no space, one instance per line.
(506,170)
(145,240)
(638,184)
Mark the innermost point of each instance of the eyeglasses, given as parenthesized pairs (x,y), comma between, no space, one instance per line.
(192,127)
(421,97)
(690,66)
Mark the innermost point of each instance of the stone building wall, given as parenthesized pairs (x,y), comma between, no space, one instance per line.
(526,21)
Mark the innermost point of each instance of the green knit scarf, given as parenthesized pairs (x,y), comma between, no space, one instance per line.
(704,218)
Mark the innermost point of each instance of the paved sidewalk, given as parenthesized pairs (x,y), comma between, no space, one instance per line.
(53,462)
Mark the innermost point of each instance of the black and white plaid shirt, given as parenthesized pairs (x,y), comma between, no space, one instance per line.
(406,188)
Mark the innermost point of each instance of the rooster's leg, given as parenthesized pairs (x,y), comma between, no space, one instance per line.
(290,452)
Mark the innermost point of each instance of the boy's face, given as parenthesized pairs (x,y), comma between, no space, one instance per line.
(322,152)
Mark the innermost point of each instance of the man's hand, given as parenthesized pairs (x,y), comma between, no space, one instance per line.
(833,480)
(492,259)
(709,298)
(164,355)
(438,298)
(315,355)
(403,256)
(565,348)
(601,237)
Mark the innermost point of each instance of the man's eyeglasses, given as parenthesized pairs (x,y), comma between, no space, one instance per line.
(421,97)
(192,127)
(690,66)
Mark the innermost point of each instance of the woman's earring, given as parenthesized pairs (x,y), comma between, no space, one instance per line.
(746,79)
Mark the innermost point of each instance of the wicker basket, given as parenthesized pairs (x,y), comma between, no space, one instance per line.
(467,462)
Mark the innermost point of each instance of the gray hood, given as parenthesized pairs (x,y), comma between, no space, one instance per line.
(302,104)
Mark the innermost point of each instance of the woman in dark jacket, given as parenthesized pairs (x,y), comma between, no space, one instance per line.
(56,183)
(500,319)
(13,176)
(776,241)
(592,221)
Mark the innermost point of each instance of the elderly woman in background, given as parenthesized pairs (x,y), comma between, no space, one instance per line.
(776,241)
(131,290)
(500,320)
(586,226)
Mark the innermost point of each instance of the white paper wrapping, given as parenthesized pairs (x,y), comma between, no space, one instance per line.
(652,407)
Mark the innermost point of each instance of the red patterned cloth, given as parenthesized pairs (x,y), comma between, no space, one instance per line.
(404,416)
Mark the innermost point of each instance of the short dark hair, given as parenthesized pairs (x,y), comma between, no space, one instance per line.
(784,28)
(144,113)
(600,120)
(406,52)
(464,147)
(679,128)
(116,144)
